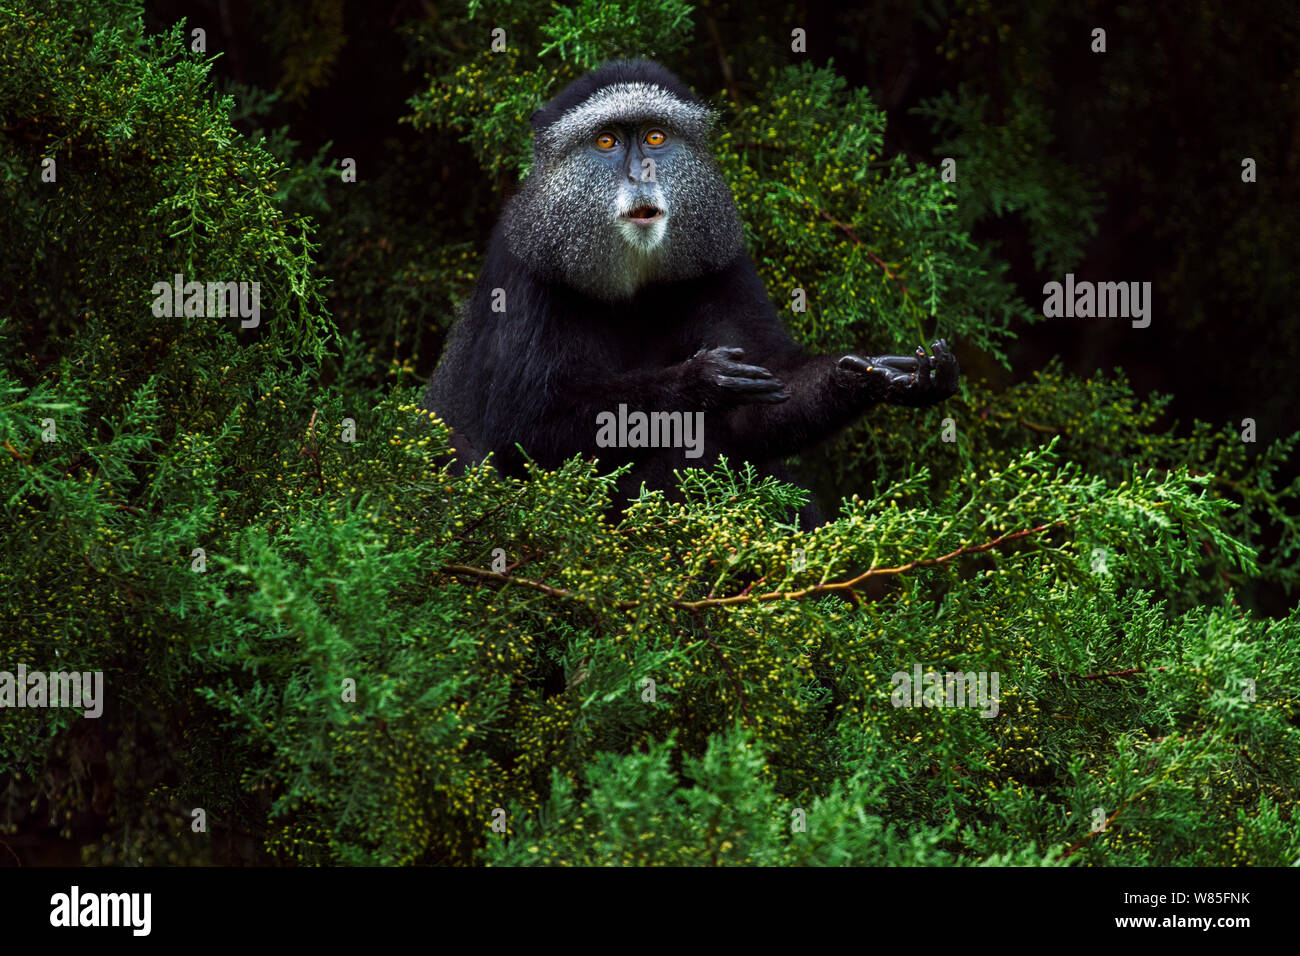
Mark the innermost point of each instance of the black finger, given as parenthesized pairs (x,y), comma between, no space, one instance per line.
(746,371)
(750,384)
(907,363)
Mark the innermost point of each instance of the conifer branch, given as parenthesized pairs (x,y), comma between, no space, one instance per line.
(746,596)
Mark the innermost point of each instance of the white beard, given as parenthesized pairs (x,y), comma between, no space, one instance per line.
(644,239)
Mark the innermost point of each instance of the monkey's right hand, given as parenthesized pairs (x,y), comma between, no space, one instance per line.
(719,378)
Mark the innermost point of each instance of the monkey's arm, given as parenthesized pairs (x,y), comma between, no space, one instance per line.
(828,392)
(712,379)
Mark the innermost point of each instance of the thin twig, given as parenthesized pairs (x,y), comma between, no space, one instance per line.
(740,690)
(848,231)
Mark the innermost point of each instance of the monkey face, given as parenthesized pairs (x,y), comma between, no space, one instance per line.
(621,197)
(632,156)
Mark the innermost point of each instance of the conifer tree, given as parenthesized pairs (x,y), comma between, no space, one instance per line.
(342,652)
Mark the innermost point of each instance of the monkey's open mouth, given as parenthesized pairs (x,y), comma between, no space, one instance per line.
(643,215)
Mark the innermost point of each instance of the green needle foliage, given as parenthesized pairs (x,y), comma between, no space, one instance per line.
(376,661)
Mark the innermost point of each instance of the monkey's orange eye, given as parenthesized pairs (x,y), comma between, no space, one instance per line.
(655,138)
(606,141)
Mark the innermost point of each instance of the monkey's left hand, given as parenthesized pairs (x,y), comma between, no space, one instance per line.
(911,380)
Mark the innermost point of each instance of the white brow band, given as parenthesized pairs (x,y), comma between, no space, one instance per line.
(625,103)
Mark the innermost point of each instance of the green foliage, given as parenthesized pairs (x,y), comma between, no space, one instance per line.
(1003,168)
(876,239)
(637,814)
(154,455)
(349,678)
(491,96)
(1099,424)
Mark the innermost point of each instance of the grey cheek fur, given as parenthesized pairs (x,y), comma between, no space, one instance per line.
(564,223)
